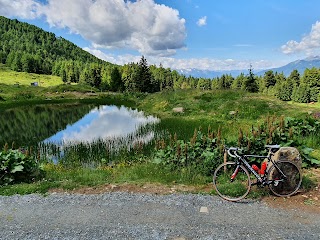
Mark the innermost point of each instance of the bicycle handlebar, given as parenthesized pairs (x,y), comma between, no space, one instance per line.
(232,151)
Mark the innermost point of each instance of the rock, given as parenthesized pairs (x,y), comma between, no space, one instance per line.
(290,154)
(316,115)
(178,109)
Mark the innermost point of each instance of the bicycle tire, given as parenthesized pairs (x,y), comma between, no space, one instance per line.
(286,187)
(231,190)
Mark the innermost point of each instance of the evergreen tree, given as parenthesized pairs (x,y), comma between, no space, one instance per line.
(269,79)
(311,78)
(301,93)
(144,77)
(295,77)
(116,81)
(239,81)
(286,90)
(250,84)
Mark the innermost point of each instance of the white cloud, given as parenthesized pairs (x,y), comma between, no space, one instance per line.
(309,44)
(191,63)
(116,59)
(18,8)
(144,25)
(202,21)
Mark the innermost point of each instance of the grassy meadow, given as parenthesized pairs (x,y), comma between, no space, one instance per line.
(228,111)
(10,77)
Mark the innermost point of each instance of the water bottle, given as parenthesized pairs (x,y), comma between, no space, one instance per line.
(255,167)
(263,168)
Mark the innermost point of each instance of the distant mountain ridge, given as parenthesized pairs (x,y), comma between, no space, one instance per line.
(299,65)
(209,74)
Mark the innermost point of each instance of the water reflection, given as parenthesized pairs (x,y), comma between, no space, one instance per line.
(105,122)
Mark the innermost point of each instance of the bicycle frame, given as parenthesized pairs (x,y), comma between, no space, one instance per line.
(241,159)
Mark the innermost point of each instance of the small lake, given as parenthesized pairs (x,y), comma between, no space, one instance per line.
(105,122)
(81,132)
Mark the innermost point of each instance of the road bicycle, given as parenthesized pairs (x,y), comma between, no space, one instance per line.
(233,181)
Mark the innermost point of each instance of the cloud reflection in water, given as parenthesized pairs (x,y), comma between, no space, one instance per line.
(103,123)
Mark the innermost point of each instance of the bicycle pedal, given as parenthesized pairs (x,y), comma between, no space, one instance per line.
(275,183)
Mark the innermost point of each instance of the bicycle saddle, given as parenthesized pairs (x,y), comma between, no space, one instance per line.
(273,146)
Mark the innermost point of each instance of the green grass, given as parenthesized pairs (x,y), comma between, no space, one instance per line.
(41,187)
(17,79)
(214,108)
(71,179)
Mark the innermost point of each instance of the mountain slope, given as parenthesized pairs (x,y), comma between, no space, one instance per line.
(25,47)
(299,65)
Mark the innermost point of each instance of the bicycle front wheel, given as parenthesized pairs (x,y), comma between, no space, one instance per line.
(231,190)
(285,178)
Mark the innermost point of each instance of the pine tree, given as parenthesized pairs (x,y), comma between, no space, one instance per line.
(295,77)
(144,81)
(269,79)
(250,84)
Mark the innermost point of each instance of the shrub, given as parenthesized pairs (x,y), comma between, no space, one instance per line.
(17,167)
(202,153)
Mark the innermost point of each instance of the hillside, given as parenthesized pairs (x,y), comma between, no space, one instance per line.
(25,47)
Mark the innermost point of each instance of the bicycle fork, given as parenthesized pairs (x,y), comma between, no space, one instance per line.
(234,174)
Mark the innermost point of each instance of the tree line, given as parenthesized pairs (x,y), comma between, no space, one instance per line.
(24,47)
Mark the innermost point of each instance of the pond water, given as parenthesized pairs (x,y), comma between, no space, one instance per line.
(77,131)
(105,122)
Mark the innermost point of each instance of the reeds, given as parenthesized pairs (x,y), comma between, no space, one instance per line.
(101,151)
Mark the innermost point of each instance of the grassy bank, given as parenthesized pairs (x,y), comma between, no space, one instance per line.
(70,179)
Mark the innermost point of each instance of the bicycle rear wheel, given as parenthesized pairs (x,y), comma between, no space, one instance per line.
(284,186)
(231,190)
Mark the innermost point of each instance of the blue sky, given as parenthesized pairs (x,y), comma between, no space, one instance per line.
(181,34)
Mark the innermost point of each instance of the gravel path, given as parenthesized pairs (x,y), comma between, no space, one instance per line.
(123,215)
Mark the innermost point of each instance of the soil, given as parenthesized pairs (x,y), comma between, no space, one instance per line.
(305,200)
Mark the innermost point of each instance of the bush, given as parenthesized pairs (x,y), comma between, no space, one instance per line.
(17,167)
(202,154)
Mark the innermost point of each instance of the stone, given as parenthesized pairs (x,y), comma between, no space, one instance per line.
(232,113)
(204,210)
(178,109)
(289,154)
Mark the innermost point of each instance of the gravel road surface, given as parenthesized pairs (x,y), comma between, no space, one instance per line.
(124,215)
